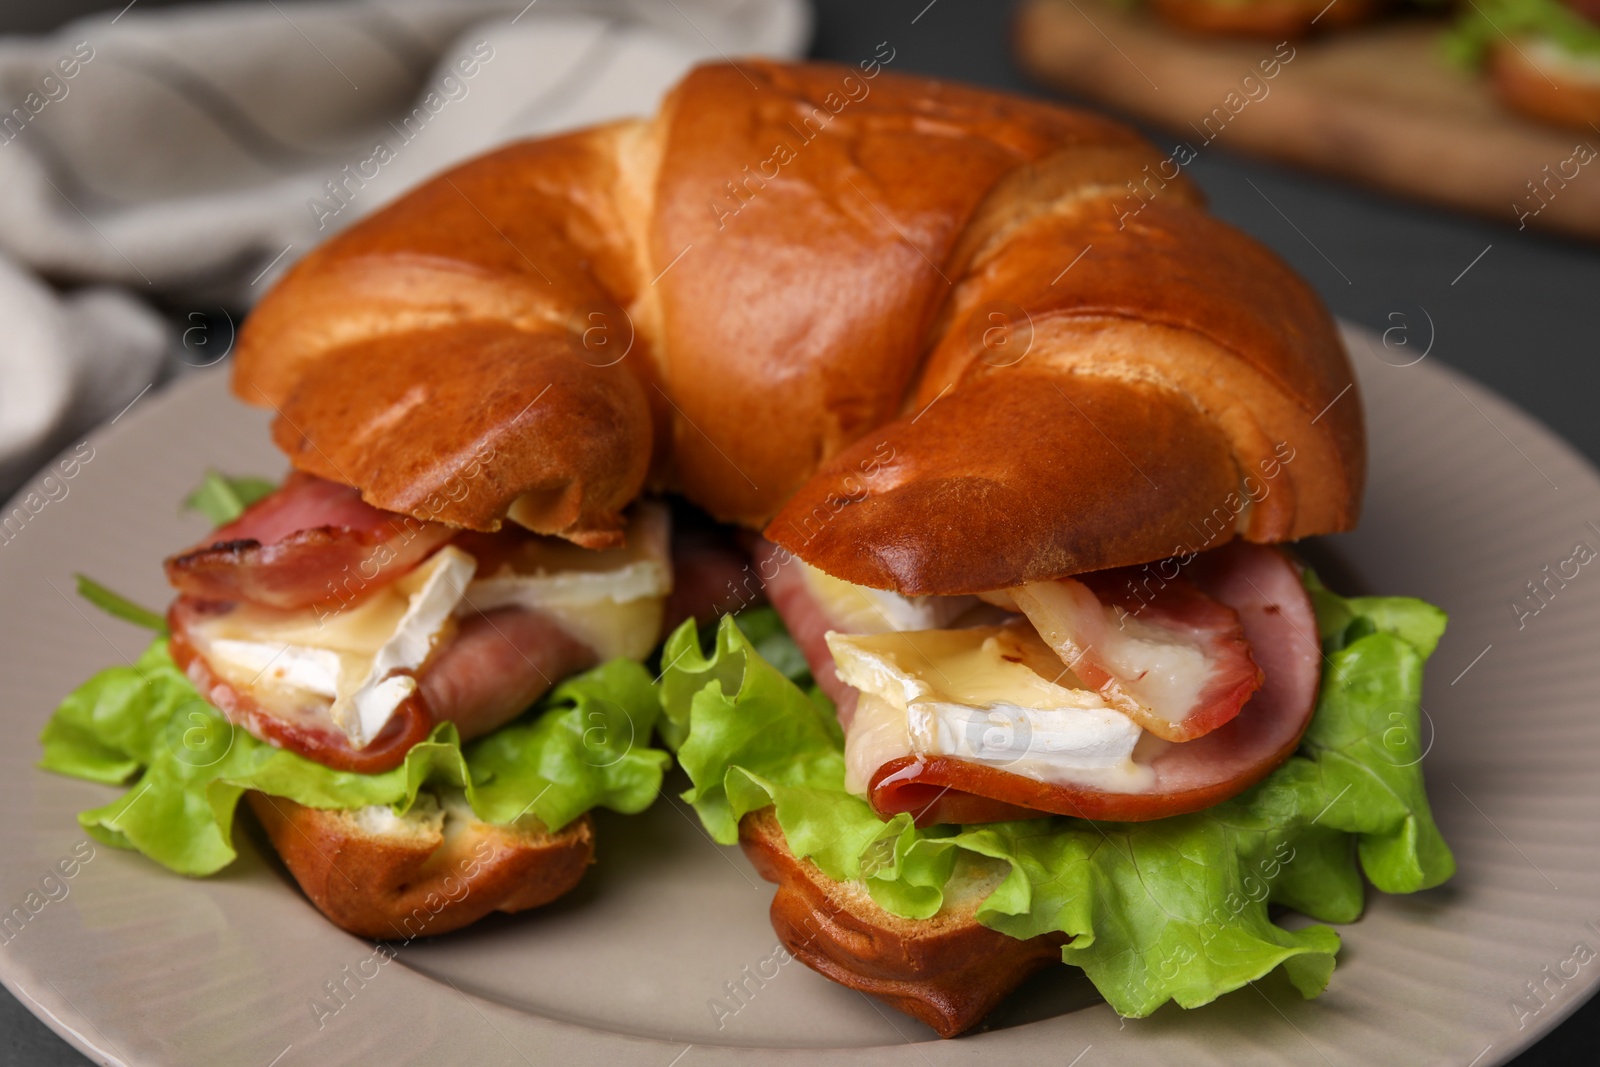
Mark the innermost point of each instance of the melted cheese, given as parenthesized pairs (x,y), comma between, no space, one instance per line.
(1157,672)
(1160,672)
(360,660)
(990,694)
(857,609)
(612,599)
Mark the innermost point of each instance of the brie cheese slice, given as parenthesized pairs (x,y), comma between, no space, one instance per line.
(359,662)
(860,609)
(990,694)
(612,599)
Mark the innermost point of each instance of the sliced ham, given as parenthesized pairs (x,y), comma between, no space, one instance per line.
(497,665)
(807,620)
(311,542)
(711,575)
(1159,650)
(1263,587)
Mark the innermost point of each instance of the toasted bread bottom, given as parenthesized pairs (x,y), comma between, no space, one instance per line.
(432,871)
(948,970)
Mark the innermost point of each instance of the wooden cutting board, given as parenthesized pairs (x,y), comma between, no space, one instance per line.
(1378,105)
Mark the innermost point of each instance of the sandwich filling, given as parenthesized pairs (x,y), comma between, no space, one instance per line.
(989,694)
(1130,694)
(470,630)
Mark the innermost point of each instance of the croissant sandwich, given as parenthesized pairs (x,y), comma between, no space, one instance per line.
(1020,458)
(463,537)
(1009,460)
(361,678)
(1543,59)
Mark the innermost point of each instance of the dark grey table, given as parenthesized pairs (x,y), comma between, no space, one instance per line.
(1507,307)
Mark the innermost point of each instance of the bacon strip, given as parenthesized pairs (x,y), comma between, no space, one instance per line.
(1157,649)
(311,542)
(499,663)
(1275,611)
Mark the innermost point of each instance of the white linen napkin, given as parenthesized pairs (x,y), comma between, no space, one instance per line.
(189,155)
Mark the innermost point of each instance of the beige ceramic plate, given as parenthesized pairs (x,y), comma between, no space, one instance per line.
(1469,501)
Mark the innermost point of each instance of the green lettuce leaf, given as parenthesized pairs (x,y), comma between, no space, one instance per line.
(585,745)
(223,499)
(119,606)
(1175,909)
(770,638)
